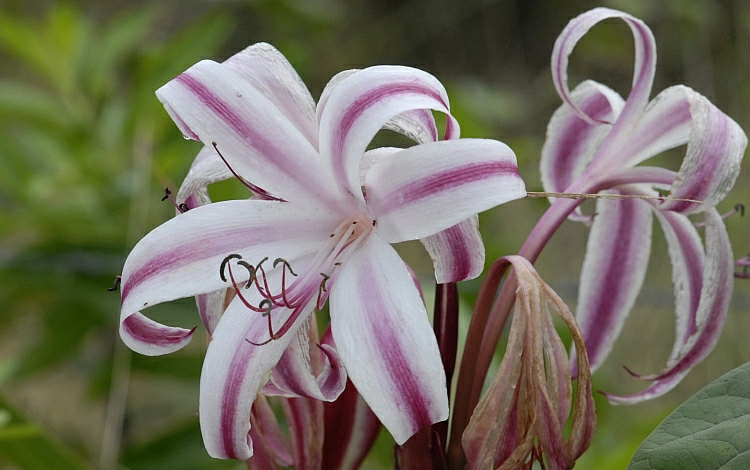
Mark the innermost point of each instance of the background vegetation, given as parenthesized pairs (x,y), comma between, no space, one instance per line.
(86,150)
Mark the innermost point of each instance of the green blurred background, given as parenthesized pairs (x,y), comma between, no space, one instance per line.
(86,150)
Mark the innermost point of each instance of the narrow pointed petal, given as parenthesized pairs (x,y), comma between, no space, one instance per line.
(234,371)
(455,179)
(384,337)
(350,430)
(271,447)
(293,376)
(212,103)
(182,257)
(715,148)
(686,254)
(304,417)
(613,270)
(360,105)
(645,59)
(571,141)
(716,293)
(457,252)
(269,72)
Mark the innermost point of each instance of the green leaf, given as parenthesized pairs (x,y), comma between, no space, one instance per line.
(708,431)
(30,448)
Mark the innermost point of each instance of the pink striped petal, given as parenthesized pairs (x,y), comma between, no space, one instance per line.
(294,375)
(150,338)
(182,257)
(214,104)
(686,254)
(360,105)
(613,270)
(304,417)
(716,293)
(715,148)
(268,71)
(386,342)
(457,252)
(234,371)
(572,142)
(455,179)
(645,59)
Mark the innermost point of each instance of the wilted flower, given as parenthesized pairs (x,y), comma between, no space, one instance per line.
(324,215)
(594,142)
(521,416)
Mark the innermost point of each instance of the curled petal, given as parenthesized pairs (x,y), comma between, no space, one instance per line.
(294,376)
(455,179)
(715,148)
(572,142)
(214,104)
(686,254)
(235,369)
(182,257)
(386,342)
(645,59)
(716,294)
(360,105)
(269,72)
(143,335)
(457,252)
(613,270)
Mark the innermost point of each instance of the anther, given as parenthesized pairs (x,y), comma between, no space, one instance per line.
(116,285)
(251,270)
(374,222)
(183,208)
(224,265)
(167,193)
(286,265)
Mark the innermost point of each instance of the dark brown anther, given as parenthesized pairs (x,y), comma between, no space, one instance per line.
(286,265)
(167,193)
(183,208)
(116,286)
(251,270)
(374,222)
(224,265)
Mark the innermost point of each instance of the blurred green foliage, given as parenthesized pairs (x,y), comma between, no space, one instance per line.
(86,150)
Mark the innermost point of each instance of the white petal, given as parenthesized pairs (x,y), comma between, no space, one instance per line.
(360,105)
(382,332)
(268,71)
(428,188)
(212,103)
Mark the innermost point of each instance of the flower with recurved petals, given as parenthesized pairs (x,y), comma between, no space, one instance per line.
(594,142)
(324,215)
(520,418)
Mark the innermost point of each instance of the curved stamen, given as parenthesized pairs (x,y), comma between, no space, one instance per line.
(251,270)
(283,278)
(259,192)
(242,298)
(737,208)
(180,207)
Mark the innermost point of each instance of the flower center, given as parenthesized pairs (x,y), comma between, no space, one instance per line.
(316,278)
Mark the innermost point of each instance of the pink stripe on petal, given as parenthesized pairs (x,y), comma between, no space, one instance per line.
(457,252)
(716,294)
(360,105)
(434,186)
(150,338)
(385,340)
(613,270)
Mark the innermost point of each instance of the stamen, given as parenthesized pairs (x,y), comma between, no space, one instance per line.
(259,192)
(737,208)
(745,264)
(251,270)
(322,289)
(286,265)
(116,286)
